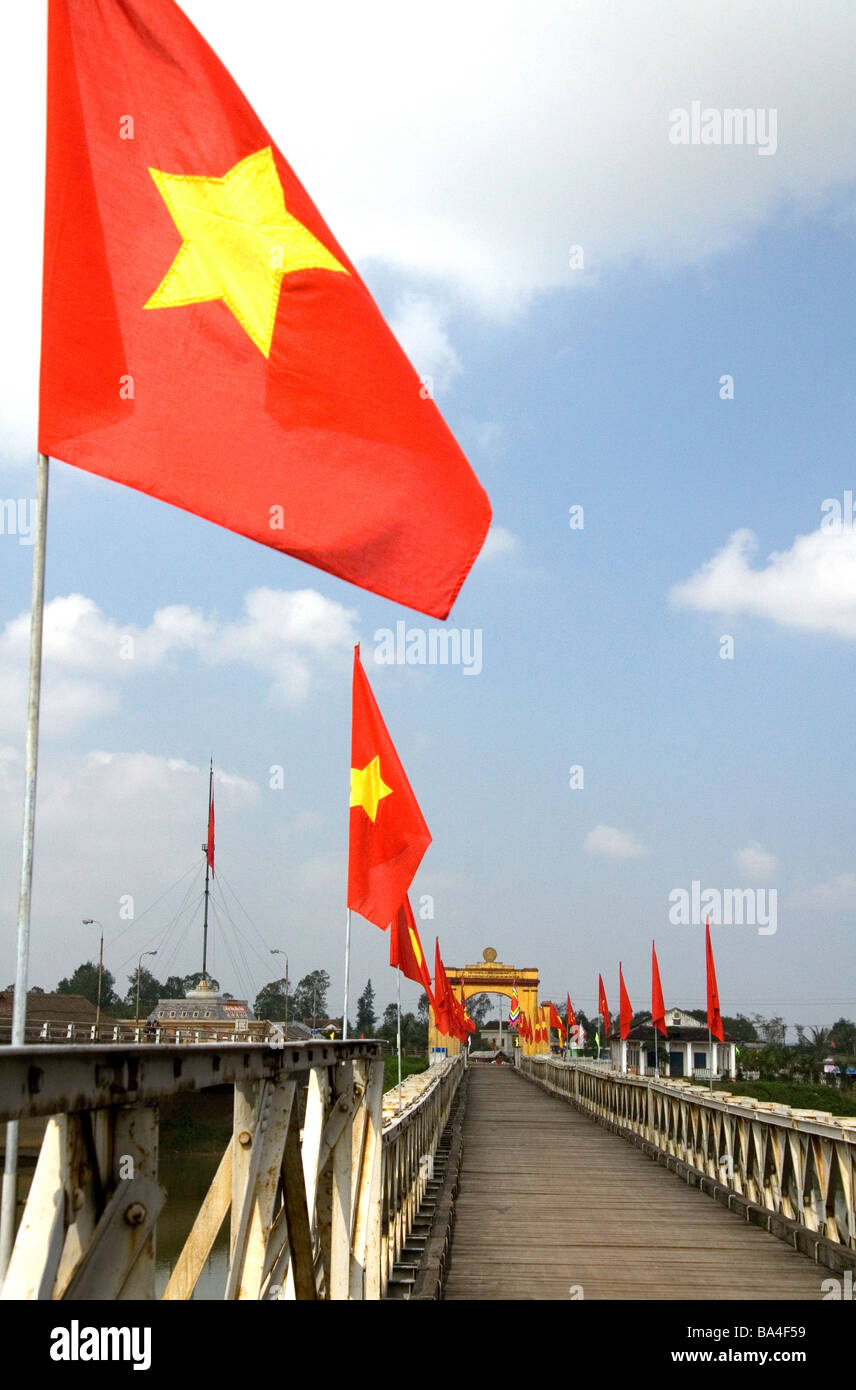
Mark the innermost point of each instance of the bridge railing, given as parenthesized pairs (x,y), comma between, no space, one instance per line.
(318,1196)
(410,1139)
(800,1164)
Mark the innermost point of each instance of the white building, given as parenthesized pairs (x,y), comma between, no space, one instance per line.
(683,1053)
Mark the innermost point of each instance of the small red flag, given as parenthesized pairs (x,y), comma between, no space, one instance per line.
(572,1018)
(602,1006)
(714,1017)
(556,1022)
(443,997)
(206,340)
(625,1008)
(658,1008)
(209,848)
(405,949)
(388,835)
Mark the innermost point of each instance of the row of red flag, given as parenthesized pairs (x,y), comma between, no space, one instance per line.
(388,838)
(658,1008)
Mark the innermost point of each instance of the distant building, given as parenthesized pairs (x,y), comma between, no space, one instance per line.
(684,1052)
(204,1010)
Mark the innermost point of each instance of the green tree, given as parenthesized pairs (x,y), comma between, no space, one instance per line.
(478,1008)
(84,981)
(771,1031)
(270,1002)
(151,990)
(842,1036)
(310,997)
(366,1016)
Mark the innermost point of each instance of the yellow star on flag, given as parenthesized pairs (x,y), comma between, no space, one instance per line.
(238,241)
(368,788)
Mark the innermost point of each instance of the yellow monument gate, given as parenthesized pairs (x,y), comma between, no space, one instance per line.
(490,976)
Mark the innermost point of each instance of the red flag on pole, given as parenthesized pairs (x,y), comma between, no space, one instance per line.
(602,1006)
(658,1008)
(625,1008)
(556,1022)
(443,999)
(572,1018)
(205,338)
(405,949)
(714,1017)
(388,835)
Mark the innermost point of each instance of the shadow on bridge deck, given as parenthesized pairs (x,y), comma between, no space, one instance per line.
(548,1199)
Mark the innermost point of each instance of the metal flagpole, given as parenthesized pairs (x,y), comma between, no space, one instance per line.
(398,973)
(709,1057)
(656,1068)
(347,976)
(19,1015)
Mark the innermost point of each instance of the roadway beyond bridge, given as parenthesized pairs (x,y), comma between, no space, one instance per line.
(551,1205)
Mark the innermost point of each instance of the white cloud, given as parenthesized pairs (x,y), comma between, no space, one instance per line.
(499,541)
(837,895)
(614,844)
(88,656)
(811,586)
(476,163)
(419,325)
(754,861)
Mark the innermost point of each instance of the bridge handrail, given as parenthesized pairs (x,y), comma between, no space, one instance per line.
(320,1199)
(797,1163)
(410,1139)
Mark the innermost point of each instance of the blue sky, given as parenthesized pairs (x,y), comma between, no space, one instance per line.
(601,646)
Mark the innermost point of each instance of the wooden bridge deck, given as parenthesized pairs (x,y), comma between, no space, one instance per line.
(549,1199)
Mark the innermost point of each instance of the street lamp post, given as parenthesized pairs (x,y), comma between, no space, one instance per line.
(276,952)
(93,922)
(139,967)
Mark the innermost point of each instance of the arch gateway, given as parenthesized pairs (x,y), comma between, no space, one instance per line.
(489,976)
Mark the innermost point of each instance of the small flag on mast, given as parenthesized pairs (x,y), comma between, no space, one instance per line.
(209,848)
(658,1008)
(714,1017)
(625,1008)
(602,1006)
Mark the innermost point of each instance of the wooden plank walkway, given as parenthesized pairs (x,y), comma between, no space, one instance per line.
(549,1199)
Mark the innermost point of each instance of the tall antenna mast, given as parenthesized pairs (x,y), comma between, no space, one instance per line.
(208,849)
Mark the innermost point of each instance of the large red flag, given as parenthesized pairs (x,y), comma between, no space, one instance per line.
(205,338)
(602,1006)
(405,949)
(714,1017)
(658,1008)
(625,1008)
(388,835)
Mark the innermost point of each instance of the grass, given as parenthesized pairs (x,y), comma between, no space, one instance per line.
(801,1095)
(410,1066)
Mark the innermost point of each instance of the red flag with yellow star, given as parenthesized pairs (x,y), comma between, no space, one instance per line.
(205,338)
(405,949)
(388,835)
